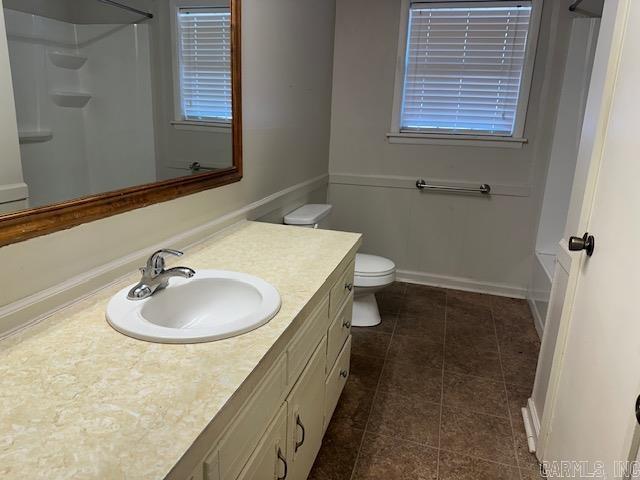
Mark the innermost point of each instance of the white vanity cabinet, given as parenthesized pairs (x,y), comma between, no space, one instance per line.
(277,433)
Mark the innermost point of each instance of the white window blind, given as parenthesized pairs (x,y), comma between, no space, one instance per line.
(464,67)
(204,36)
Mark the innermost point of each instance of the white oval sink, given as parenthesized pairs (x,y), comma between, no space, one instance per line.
(212,305)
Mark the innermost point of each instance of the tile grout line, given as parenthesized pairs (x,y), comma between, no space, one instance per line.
(375,395)
(460,409)
(446,450)
(506,392)
(444,353)
(439,450)
(386,361)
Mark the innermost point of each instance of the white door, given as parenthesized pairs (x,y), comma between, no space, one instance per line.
(597,367)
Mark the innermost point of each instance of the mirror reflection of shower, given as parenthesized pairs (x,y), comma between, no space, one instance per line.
(100,88)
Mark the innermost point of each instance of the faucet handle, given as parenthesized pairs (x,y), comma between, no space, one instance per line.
(155,263)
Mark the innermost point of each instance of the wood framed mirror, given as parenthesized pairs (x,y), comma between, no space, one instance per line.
(165,105)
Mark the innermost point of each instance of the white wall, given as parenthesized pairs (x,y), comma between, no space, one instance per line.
(118,121)
(13,191)
(179,147)
(108,143)
(286,113)
(566,138)
(55,170)
(549,338)
(59,10)
(85,11)
(455,240)
(562,164)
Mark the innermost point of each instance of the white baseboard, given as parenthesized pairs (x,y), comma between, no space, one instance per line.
(460,283)
(537,318)
(531,424)
(34,308)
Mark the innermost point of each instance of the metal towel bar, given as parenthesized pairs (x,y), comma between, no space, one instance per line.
(484,189)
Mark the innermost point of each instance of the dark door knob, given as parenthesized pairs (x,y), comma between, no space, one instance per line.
(586,243)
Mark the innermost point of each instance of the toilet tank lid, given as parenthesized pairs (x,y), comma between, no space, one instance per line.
(309,214)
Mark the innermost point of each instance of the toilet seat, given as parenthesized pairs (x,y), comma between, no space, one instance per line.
(373,271)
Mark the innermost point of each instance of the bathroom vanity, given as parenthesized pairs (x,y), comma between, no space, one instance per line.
(80,400)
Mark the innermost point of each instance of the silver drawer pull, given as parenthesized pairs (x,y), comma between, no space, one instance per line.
(304,434)
(344,373)
(284,463)
(348,286)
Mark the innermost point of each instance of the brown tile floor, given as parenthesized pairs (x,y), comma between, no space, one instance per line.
(435,391)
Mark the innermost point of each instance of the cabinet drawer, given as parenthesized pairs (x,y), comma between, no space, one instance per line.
(252,421)
(306,340)
(341,289)
(338,333)
(335,382)
(268,462)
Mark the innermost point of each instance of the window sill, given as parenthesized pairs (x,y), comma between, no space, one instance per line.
(455,140)
(202,126)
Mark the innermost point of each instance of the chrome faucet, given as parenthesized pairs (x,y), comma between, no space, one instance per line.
(155,277)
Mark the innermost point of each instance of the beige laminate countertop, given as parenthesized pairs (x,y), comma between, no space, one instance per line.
(80,400)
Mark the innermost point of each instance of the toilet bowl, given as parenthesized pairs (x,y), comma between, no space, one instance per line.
(372,273)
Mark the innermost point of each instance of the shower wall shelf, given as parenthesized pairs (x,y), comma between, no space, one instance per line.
(71,99)
(35,136)
(71,61)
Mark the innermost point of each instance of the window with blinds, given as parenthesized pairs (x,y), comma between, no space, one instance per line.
(464,67)
(204,58)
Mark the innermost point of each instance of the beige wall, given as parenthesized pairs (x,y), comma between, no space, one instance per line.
(442,238)
(286,136)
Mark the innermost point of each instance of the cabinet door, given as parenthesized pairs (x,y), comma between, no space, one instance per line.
(248,427)
(268,461)
(306,412)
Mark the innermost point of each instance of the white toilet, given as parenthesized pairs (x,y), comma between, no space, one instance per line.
(372,273)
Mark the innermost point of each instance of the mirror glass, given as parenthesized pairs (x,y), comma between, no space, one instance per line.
(111,95)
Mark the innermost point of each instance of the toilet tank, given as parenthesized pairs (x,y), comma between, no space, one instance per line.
(311,215)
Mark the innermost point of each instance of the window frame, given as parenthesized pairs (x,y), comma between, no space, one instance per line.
(179,122)
(515,140)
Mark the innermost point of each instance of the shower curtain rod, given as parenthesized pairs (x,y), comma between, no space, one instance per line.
(574,5)
(574,8)
(126,7)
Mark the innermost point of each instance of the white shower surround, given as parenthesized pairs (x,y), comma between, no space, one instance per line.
(105,144)
(562,165)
